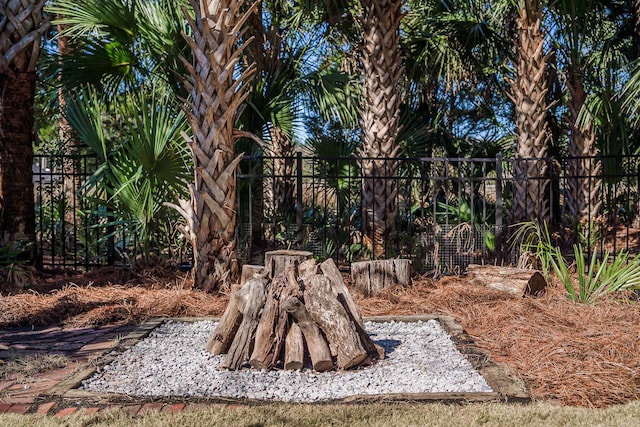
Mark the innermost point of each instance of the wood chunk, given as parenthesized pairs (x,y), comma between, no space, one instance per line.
(517,281)
(307,269)
(294,348)
(250,300)
(277,261)
(372,277)
(272,328)
(222,337)
(330,269)
(330,315)
(249,271)
(317,345)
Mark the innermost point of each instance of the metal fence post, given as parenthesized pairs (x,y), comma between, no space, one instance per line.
(299,198)
(498,236)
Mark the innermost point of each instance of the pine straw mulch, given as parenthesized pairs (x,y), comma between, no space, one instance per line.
(581,355)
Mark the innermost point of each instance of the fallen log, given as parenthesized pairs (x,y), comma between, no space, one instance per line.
(517,281)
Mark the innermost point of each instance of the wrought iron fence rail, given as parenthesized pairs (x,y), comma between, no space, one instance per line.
(450,211)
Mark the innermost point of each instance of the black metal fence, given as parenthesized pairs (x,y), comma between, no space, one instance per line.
(450,211)
(73,230)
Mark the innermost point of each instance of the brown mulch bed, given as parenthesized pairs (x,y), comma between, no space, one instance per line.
(580,355)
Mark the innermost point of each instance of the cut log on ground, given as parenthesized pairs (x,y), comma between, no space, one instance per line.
(372,277)
(302,317)
(277,261)
(517,281)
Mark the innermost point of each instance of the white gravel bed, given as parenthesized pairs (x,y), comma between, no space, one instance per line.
(171,362)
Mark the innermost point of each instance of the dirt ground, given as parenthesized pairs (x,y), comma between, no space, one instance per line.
(572,353)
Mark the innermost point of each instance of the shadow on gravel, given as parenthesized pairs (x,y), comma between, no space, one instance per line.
(388,345)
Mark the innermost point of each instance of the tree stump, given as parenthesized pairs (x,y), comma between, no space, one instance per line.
(372,277)
(517,281)
(277,261)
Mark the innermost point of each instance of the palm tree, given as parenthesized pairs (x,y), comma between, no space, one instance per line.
(577,19)
(217,95)
(529,89)
(382,69)
(21,28)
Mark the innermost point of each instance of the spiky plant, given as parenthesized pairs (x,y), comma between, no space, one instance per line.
(382,65)
(217,95)
(528,93)
(21,28)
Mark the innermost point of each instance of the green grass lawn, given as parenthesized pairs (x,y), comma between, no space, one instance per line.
(357,415)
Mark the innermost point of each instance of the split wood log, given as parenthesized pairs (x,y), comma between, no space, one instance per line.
(294,348)
(222,337)
(330,315)
(319,351)
(307,270)
(330,269)
(277,261)
(372,277)
(250,300)
(340,290)
(517,281)
(249,271)
(272,328)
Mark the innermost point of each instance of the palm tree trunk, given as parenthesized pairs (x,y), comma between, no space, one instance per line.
(284,182)
(584,182)
(217,95)
(528,93)
(380,121)
(21,29)
(16,158)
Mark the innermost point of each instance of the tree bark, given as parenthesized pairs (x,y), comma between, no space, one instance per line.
(372,277)
(277,261)
(272,328)
(222,337)
(328,313)
(250,300)
(17,205)
(330,269)
(250,271)
(517,281)
(317,345)
(294,348)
